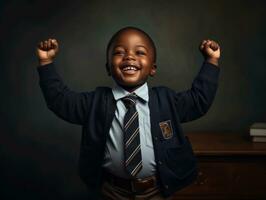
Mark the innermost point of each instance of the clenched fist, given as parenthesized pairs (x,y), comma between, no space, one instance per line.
(211,51)
(46,51)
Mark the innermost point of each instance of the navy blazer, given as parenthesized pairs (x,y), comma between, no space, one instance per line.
(175,162)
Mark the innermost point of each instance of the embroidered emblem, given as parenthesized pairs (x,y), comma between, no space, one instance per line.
(166,128)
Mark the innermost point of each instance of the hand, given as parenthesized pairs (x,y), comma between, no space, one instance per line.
(46,51)
(211,51)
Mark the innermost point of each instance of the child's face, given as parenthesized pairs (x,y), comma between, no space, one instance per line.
(131,60)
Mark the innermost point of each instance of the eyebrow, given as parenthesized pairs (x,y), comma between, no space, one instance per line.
(136,46)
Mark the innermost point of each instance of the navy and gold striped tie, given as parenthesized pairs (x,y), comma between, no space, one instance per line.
(133,161)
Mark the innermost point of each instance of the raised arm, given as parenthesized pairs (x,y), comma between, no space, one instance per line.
(195,102)
(68,105)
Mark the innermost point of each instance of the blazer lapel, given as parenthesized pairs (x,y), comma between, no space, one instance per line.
(154,114)
(110,110)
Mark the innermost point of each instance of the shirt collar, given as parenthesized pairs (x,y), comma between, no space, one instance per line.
(141,92)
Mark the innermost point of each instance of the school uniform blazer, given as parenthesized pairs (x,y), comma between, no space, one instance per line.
(175,161)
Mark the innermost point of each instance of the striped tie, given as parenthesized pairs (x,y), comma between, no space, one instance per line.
(133,162)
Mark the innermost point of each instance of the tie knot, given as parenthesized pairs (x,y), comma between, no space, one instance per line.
(130,100)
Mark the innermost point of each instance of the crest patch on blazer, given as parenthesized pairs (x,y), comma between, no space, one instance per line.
(166,128)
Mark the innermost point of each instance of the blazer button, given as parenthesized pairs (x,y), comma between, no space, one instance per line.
(160,162)
(156,138)
(166,186)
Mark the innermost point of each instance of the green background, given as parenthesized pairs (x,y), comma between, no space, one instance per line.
(39,152)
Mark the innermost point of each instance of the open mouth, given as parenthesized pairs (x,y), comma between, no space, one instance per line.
(130,69)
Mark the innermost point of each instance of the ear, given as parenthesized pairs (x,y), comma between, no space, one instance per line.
(153,69)
(108,70)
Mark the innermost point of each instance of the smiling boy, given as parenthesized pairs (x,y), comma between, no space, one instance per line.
(133,146)
(131,59)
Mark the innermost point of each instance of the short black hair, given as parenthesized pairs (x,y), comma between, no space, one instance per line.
(114,37)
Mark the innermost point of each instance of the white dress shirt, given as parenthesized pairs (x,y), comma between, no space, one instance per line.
(114,150)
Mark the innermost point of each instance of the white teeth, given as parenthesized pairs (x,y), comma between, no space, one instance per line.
(130,68)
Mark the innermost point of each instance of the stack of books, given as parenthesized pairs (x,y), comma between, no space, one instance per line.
(258,132)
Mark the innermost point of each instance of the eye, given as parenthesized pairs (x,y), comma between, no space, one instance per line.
(118,52)
(139,52)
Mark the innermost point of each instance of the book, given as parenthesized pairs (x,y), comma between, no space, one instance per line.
(259,138)
(258,129)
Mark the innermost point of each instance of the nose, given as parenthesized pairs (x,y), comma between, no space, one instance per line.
(129,56)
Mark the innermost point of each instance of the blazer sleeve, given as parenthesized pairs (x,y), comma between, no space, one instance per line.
(195,102)
(66,104)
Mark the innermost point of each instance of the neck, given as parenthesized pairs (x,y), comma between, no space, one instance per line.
(130,88)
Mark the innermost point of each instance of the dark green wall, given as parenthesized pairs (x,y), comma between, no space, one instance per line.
(39,151)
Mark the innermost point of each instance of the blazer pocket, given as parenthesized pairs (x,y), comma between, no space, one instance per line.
(181,160)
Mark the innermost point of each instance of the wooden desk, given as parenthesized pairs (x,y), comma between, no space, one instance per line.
(230,167)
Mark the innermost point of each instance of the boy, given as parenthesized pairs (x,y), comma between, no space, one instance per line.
(132,143)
